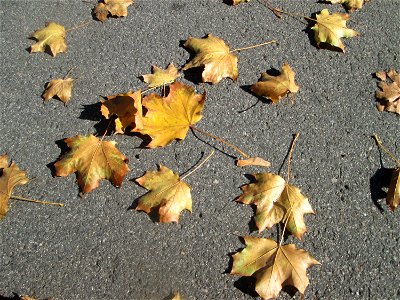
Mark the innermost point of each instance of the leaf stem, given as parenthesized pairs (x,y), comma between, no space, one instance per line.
(284,227)
(69,71)
(199,165)
(220,140)
(291,155)
(378,141)
(254,46)
(79,26)
(149,89)
(36,201)
(278,11)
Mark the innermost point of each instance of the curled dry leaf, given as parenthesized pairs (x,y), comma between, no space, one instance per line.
(274,266)
(393,194)
(127,108)
(276,87)
(253,161)
(93,160)
(276,201)
(329,28)
(213,54)
(169,118)
(51,38)
(168,194)
(350,5)
(161,77)
(389,91)
(116,8)
(11,176)
(60,88)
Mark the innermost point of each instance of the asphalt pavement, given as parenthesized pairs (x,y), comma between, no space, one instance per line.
(96,247)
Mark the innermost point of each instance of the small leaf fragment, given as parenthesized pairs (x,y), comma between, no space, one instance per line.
(276,201)
(11,176)
(116,8)
(350,5)
(253,161)
(127,108)
(161,77)
(213,54)
(236,2)
(329,28)
(276,87)
(273,266)
(388,94)
(177,296)
(169,118)
(93,160)
(168,194)
(393,194)
(60,88)
(51,38)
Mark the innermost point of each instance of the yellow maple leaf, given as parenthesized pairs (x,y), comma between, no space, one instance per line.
(213,54)
(169,118)
(330,28)
(276,87)
(161,77)
(389,91)
(274,266)
(116,8)
(60,88)
(168,194)
(50,39)
(127,108)
(93,159)
(350,5)
(276,201)
(11,176)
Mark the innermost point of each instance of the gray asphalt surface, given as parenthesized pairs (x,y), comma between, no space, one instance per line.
(96,248)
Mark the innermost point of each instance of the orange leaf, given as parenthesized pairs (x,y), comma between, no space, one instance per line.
(93,160)
(168,194)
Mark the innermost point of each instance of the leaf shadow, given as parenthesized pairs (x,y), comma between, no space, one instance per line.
(64,149)
(380,179)
(193,74)
(92,112)
(15,297)
(212,146)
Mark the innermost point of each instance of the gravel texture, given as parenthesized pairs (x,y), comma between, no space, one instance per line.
(98,248)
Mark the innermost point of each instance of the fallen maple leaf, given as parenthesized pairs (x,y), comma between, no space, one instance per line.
(276,87)
(177,296)
(389,93)
(329,28)
(116,8)
(161,77)
(50,38)
(274,266)
(93,159)
(168,194)
(350,5)
(213,54)
(11,176)
(236,2)
(127,108)
(169,118)
(393,194)
(61,88)
(276,201)
(253,161)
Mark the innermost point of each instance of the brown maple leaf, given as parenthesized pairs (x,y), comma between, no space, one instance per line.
(127,108)
(116,8)
(276,87)
(169,118)
(274,266)
(276,201)
(11,176)
(60,88)
(49,39)
(161,77)
(93,159)
(389,91)
(329,28)
(213,54)
(168,194)
(350,5)
(393,194)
